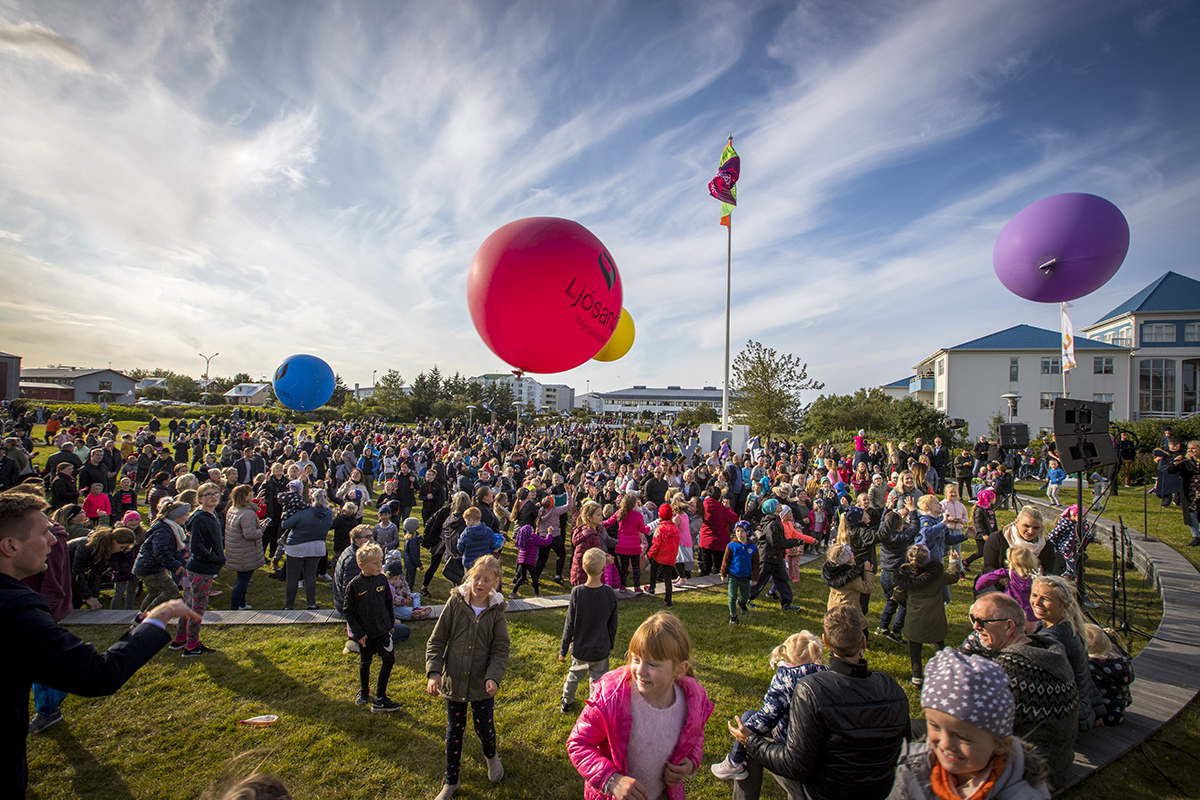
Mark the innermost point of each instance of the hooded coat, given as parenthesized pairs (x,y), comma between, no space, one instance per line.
(846,582)
(466,650)
(913,781)
(921,591)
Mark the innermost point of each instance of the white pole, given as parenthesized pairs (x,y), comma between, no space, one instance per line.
(728,280)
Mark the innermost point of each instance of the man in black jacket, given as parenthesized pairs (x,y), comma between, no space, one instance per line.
(845,730)
(51,655)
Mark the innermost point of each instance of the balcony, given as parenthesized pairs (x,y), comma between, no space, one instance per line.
(920,385)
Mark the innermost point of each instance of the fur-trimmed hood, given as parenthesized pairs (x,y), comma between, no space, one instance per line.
(494,599)
(837,576)
(908,578)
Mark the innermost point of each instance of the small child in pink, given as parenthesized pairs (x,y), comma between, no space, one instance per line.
(97,506)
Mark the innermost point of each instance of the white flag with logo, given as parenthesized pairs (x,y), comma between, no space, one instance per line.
(1068,339)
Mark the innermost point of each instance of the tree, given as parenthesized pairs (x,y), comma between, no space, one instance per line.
(696,416)
(498,396)
(866,409)
(182,388)
(425,392)
(912,418)
(766,389)
(340,392)
(389,398)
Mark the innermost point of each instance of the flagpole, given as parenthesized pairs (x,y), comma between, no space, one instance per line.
(728,282)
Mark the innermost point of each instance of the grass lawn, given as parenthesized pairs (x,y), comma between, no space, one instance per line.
(171,729)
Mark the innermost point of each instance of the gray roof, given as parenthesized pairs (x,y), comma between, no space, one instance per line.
(67,372)
(707,394)
(1171,292)
(8,355)
(246,389)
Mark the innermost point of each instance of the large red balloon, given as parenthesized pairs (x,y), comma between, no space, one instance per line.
(544,293)
(1061,247)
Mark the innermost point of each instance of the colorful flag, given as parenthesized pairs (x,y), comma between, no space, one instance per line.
(724,186)
(1068,339)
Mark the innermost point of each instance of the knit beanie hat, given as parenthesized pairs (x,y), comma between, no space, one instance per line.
(180,514)
(985,498)
(411,524)
(665,512)
(745,526)
(969,688)
(770,506)
(296,486)
(131,518)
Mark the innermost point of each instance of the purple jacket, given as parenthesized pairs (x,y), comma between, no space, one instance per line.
(527,547)
(1018,588)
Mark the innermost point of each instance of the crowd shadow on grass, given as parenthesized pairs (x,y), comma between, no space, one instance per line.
(89,777)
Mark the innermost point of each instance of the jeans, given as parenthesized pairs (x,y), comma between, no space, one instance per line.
(296,568)
(406,612)
(484,713)
(160,587)
(46,700)
(593,669)
(887,580)
(782,584)
(737,753)
(124,593)
(738,587)
(239,590)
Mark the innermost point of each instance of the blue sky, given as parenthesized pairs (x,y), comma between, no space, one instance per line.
(267,178)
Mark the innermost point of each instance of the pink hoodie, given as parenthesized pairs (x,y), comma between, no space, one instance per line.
(597,745)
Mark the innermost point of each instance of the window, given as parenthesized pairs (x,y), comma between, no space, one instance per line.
(1051,366)
(1048,399)
(1191,332)
(1102,366)
(941,399)
(1161,332)
(1156,386)
(941,367)
(1014,370)
(106,386)
(1191,382)
(1102,398)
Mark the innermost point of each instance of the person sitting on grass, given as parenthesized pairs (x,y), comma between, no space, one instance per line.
(590,628)
(406,604)
(800,654)
(370,616)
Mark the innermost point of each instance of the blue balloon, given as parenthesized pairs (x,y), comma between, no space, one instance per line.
(303,382)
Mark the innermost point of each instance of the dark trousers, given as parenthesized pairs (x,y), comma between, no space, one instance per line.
(298,568)
(887,580)
(483,712)
(435,561)
(381,645)
(964,488)
(527,572)
(270,538)
(778,572)
(239,590)
(708,561)
(914,655)
(556,544)
(664,571)
(624,562)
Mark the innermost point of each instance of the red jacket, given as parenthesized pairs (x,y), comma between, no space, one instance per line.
(665,546)
(714,531)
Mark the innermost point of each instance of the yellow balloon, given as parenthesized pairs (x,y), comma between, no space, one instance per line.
(621,340)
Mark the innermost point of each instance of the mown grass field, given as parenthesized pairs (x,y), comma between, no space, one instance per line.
(174,726)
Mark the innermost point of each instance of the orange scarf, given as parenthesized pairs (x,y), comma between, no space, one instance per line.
(943,784)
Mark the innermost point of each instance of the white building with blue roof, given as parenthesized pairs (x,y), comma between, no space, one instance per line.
(1159,330)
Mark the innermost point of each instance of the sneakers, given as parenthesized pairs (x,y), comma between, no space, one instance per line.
(138,619)
(744,608)
(384,705)
(325,578)
(1193,543)
(361,699)
(41,721)
(511,596)
(246,608)
(314,607)
(749,606)
(895,636)
(667,603)
(495,769)
(728,771)
(881,631)
(448,790)
(566,707)
(422,612)
(176,645)
(791,608)
(647,590)
(351,647)
(198,650)
(918,682)
(733,620)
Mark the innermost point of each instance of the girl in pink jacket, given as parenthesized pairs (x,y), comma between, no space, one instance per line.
(643,727)
(631,527)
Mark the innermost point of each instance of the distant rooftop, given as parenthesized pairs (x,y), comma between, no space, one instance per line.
(1171,292)
(64,372)
(707,394)
(1027,337)
(246,389)
(900,384)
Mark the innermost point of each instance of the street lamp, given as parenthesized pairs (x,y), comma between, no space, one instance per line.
(207,359)
(1012,398)
(470,416)
(373,379)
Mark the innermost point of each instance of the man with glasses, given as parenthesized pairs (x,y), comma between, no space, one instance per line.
(1041,679)
(655,487)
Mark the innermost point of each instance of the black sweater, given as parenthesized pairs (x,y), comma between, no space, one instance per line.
(590,629)
(367,606)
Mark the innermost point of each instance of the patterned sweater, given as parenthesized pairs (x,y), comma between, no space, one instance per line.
(772,718)
(1112,677)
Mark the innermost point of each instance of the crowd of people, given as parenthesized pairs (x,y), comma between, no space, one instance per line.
(246,493)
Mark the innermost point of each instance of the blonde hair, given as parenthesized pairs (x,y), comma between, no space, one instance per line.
(799,648)
(489,563)
(926,501)
(460,503)
(1099,644)
(593,561)
(368,552)
(1066,595)
(661,637)
(843,532)
(587,510)
(1023,561)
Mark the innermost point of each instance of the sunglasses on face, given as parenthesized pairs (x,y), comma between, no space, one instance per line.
(978,623)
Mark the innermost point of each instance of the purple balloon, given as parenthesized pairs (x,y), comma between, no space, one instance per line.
(1061,248)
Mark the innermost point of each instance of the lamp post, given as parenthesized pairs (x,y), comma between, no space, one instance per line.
(1012,398)
(470,416)
(373,380)
(207,360)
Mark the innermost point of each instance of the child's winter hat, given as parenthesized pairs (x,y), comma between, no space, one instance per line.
(179,514)
(744,525)
(525,530)
(665,512)
(411,524)
(770,506)
(985,498)
(296,486)
(383,509)
(131,519)
(969,688)
(394,568)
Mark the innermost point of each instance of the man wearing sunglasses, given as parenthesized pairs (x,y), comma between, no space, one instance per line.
(1041,679)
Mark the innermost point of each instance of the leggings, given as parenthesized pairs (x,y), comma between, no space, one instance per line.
(979,543)
(527,572)
(123,594)
(387,659)
(556,544)
(435,561)
(483,712)
(196,596)
(914,655)
(624,562)
(665,572)
(296,569)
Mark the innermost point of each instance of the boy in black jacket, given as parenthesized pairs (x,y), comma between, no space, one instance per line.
(370,615)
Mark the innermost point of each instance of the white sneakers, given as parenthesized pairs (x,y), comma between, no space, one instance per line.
(728,771)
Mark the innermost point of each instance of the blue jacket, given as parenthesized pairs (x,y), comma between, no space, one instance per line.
(309,525)
(893,551)
(1056,476)
(741,559)
(207,545)
(937,537)
(160,551)
(474,542)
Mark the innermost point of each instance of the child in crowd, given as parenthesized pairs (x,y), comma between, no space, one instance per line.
(97,506)
(1054,481)
(369,613)
(936,534)
(386,534)
(899,532)
(465,659)
(685,560)
(590,629)
(790,531)
(631,527)
(589,534)
(663,550)
(477,539)
(412,550)
(985,522)
(405,604)
(1112,672)
(799,655)
(1016,581)
(846,580)
(125,499)
(528,543)
(664,709)
(919,584)
(971,751)
(739,568)
(345,521)
(818,519)
(125,583)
